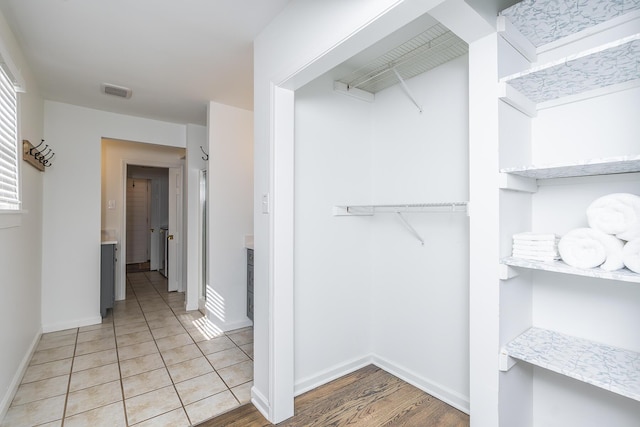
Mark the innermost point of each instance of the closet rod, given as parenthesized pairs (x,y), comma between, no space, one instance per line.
(445,207)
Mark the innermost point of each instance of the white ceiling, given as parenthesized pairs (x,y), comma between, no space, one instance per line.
(175,55)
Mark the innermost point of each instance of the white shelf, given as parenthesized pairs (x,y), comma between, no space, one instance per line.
(605,166)
(444,207)
(623,275)
(547,23)
(595,72)
(601,365)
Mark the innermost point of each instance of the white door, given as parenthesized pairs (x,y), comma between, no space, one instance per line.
(154,255)
(174,237)
(137,220)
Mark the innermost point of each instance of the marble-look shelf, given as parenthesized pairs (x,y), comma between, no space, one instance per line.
(606,166)
(611,368)
(609,68)
(546,21)
(624,275)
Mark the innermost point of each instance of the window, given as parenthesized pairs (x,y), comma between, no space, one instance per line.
(9,192)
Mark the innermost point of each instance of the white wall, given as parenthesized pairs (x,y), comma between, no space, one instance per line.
(304,41)
(332,254)
(116,154)
(196,138)
(230,179)
(21,246)
(420,305)
(72,205)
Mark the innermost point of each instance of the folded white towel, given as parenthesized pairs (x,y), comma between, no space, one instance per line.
(617,214)
(524,254)
(538,258)
(631,255)
(588,248)
(531,236)
(535,244)
(551,247)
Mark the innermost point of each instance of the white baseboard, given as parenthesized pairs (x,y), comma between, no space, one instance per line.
(229,326)
(438,391)
(260,402)
(335,372)
(17,377)
(69,324)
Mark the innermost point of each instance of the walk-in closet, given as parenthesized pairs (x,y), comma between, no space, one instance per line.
(381,225)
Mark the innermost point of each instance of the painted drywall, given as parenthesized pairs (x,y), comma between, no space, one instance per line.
(302,43)
(196,138)
(72,205)
(333,274)
(115,155)
(21,245)
(423,291)
(230,180)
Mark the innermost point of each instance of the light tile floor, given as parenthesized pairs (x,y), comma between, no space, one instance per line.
(150,363)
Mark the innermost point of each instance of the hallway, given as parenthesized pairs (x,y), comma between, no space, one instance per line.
(150,363)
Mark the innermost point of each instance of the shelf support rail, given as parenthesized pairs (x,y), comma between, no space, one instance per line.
(410,228)
(406,89)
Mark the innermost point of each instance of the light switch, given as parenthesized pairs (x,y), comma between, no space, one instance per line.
(111,204)
(265,203)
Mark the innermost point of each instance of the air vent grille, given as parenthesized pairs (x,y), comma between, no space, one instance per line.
(122,92)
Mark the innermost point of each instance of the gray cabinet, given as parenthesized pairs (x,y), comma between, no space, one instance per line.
(107,277)
(250,283)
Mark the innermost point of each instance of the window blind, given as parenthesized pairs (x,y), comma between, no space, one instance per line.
(9,195)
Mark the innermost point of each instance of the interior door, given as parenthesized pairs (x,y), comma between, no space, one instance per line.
(204,243)
(174,246)
(137,220)
(155,220)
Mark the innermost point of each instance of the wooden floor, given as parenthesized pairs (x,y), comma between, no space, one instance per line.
(368,397)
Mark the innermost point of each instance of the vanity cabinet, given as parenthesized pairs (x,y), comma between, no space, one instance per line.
(250,283)
(107,277)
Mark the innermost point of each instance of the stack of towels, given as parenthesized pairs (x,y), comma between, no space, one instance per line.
(536,246)
(612,240)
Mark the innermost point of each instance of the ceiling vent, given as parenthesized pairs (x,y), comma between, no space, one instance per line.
(122,92)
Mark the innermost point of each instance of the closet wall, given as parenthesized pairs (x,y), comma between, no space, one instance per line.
(366,290)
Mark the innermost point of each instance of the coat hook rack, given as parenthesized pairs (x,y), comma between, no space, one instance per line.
(206,156)
(37,157)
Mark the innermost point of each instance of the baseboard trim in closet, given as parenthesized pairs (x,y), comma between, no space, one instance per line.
(438,391)
(335,372)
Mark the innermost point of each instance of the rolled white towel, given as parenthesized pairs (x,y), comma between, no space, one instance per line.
(633,233)
(617,214)
(631,255)
(589,248)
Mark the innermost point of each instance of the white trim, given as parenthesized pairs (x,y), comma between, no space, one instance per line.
(70,324)
(260,402)
(10,219)
(17,377)
(438,391)
(330,374)
(226,327)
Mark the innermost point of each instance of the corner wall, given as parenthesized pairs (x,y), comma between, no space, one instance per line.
(230,204)
(21,245)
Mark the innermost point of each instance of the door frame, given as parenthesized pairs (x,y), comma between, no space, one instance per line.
(121,270)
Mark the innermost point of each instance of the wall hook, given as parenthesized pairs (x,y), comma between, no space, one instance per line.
(206,156)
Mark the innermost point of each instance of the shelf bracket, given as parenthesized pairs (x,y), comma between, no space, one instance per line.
(506,362)
(410,228)
(406,89)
